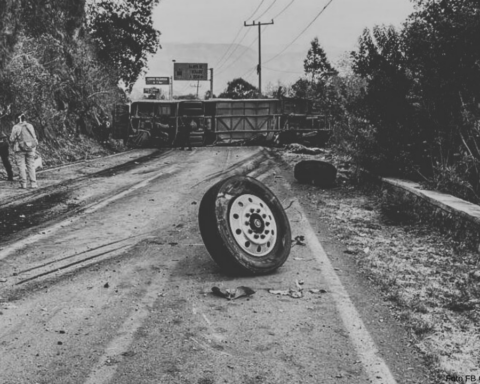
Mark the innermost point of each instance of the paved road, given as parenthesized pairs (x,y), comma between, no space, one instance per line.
(116,288)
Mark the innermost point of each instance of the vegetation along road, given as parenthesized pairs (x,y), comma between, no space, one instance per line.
(117,288)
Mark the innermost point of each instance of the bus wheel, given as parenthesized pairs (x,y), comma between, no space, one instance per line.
(244,226)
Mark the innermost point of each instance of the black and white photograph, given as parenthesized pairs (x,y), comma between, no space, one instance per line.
(239,191)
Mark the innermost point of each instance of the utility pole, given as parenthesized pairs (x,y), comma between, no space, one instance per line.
(211,82)
(196,86)
(259,67)
(173,77)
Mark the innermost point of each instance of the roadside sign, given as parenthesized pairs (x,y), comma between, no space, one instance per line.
(190,71)
(157,80)
(151,90)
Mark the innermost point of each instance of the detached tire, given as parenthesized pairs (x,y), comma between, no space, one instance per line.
(315,172)
(244,226)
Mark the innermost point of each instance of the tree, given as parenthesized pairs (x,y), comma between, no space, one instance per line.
(422,92)
(316,64)
(10,26)
(58,18)
(240,89)
(124,35)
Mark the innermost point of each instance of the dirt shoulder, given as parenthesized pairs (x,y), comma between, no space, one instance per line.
(67,189)
(431,283)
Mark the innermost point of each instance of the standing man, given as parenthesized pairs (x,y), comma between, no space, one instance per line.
(5,153)
(24,143)
(185,129)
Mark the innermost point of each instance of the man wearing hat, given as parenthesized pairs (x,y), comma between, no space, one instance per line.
(4,153)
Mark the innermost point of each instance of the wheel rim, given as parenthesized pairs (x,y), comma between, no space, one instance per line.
(253,225)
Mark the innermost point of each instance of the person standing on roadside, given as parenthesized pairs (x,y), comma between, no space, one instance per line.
(24,143)
(185,130)
(5,155)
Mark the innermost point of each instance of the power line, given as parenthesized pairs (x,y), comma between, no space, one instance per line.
(238,33)
(253,14)
(279,70)
(284,9)
(301,33)
(236,47)
(255,40)
(264,12)
(249,72)
(245,50)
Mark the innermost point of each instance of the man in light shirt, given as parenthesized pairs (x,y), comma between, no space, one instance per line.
(24,143)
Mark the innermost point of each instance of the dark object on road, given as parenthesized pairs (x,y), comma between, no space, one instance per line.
(232,294)
(315,172)
(244,226)
(299,240)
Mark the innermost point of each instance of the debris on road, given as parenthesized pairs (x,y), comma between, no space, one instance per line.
(295,293)
(299,240)
(316,290)
(299,148)
(2,280)
(106,285)
(233,293)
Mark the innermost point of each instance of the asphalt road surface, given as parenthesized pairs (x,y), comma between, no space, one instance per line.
(105,279)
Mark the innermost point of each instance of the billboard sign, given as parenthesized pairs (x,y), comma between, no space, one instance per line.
(151,90)
(157,80)
(190,71)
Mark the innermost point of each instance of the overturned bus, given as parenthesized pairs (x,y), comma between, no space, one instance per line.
(215,121)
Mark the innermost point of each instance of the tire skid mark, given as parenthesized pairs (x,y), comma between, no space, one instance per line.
(240,167)
(82,253)
(69,183)
(86,211)
(83,260)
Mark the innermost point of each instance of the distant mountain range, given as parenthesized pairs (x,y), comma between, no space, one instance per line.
(286,68)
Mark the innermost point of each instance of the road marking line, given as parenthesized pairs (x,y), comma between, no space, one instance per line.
(367,351)
(374,365)
(62,224)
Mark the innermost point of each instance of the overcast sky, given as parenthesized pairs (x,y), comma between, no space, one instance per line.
(219,21)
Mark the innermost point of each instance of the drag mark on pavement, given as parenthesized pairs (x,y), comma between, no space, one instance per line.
(90,209)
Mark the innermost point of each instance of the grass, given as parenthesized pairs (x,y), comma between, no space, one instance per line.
(432,280)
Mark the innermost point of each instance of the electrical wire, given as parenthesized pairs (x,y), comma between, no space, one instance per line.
(236,47)
(284,9)
(255,40)
(301,33)
(238,33)
(279,70)
(244,51)
(264,12)
(249,72)
(253,14)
